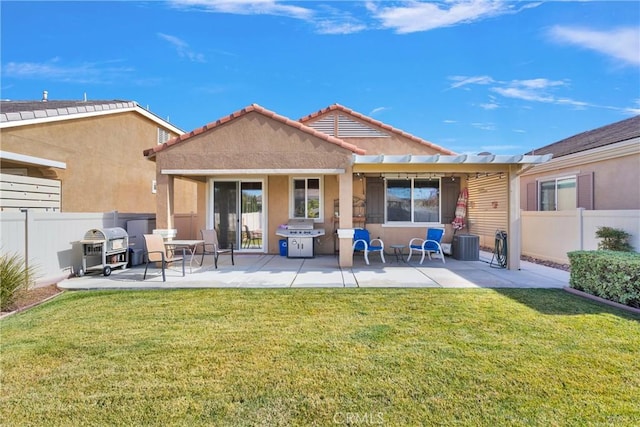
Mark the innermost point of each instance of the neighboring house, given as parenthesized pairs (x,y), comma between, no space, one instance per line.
(590,170)
(592,181)
(80,156)
(257,169)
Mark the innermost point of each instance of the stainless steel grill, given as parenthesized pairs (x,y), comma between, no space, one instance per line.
(109,245)
(300,234)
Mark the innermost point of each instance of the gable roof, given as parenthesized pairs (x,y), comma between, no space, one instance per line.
(599,137)
(23,113)
(260,110)
(377,123)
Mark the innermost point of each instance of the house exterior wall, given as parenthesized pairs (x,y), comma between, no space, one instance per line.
(106,170)
(256,142)
(611,168)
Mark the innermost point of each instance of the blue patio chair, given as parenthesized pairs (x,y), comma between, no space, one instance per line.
(362,242)
(427,245)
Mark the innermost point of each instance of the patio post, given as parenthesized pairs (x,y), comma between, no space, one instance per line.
(513,234)
(165,201)
(345,238)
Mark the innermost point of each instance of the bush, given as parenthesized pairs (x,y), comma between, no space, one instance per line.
(15,277)
(613,239)
(608,274)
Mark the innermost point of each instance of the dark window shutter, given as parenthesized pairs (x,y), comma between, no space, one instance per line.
(375,200)
(585,191)
(448,199)
(532,196)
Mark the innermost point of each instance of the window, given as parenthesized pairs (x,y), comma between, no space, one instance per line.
(413,200)
(558,194)
(307,200)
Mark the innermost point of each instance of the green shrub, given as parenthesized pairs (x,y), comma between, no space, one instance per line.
(613,239)
(15,277)
(607,274)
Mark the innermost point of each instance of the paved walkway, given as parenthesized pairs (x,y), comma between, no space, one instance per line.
(273,271)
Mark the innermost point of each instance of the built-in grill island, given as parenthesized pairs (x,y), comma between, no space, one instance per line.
(300,236)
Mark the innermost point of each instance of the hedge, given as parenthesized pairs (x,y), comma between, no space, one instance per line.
(607,274)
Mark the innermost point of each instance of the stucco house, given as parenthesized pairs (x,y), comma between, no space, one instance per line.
(587,171)
(592,181)
(256,169)
(80,156)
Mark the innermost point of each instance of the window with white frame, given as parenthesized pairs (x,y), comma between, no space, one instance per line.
(306,198)
(412,200)
(557,194)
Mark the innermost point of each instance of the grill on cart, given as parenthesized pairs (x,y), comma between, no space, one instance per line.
(300,234)
(104,249)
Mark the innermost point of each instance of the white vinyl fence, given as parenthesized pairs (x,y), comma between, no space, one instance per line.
(550,235)
(49,241)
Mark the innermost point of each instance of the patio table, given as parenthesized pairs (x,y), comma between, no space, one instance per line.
(397,251)
(189,245)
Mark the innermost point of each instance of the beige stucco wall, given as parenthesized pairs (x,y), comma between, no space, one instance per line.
(258,142)
(615,180)
(254,142)
(106,170)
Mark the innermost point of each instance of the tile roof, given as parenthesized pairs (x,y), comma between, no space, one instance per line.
(16,112)
(338,107)
(260,110)
(599,137)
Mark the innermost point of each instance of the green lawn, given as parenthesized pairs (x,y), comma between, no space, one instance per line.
(321,357)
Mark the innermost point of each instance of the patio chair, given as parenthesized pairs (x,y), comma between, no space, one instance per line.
(212,247)
(362,242)
(157,252)
(431,243)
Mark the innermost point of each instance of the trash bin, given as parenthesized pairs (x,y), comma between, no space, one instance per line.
(283,247)
(135,257)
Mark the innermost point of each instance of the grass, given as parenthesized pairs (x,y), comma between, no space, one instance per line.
(321,357)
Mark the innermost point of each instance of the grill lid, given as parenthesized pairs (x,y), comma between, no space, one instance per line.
(105,234)
(300,224)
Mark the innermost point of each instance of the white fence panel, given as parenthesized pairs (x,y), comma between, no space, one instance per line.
(550,235)
(49,241)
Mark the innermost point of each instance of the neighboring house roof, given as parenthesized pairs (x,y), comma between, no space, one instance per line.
(260,110)
(338,107)
(22,113)
(605,135)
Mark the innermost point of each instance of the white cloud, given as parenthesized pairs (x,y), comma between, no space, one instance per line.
(54,69)
(529,90)
(465,80)
(377,110)
(532,90)
(489,106)
(484,126)
(449,121)
(414,16)
(182,48)
(622,43)
(248,7)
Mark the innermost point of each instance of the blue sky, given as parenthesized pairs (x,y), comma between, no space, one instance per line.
(472,76)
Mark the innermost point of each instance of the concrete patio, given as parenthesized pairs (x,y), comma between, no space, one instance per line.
(273,271)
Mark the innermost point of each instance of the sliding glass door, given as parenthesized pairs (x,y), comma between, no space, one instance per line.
(238,214)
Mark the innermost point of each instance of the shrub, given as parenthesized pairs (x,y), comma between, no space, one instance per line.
(15,277)
(613,239)
(608,274)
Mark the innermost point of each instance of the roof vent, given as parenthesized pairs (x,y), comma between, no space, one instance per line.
(45,94)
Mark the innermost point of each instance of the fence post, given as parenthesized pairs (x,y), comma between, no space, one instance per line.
(26,236)
(580,229)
